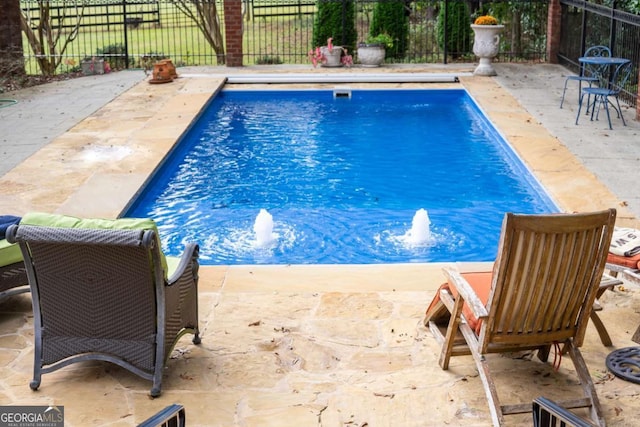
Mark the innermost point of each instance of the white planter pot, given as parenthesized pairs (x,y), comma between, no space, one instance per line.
(332,57)
(371,55)
(93,66)
(486,43)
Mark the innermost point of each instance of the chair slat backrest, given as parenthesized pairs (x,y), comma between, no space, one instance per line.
(621,76)
(545,277)
(593,70)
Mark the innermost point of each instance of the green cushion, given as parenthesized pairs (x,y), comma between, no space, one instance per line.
(9,253)
(172,264)
(65,221)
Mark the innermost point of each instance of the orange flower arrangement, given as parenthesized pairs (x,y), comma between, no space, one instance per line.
(486,20)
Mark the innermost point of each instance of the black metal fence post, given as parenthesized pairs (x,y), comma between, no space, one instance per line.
(125,33)
(445,37)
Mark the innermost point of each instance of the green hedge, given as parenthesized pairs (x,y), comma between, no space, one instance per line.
(329,23)
(390,17)
(458,27)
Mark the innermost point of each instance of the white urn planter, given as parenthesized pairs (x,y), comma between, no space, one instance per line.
(486,43)
(371,54)
(332,56)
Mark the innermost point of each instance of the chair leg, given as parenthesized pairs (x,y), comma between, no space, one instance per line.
(606,108)
(495,409)
(452,330)
(579,106)
(605,285)
(602,331)
(563,92)
(620,112)
(588,101)
(586,382)
(596,102)
(543,353)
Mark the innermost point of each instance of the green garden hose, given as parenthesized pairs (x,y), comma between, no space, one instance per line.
(7,102)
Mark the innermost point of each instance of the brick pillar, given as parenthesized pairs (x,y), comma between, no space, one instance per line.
(233,32)
(554,21)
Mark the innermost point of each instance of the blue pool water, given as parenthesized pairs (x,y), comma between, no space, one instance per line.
(341,177)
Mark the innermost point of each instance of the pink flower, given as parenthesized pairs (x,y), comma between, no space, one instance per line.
(346,59)
(316,56)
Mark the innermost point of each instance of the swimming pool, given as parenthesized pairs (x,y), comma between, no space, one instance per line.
(348,176)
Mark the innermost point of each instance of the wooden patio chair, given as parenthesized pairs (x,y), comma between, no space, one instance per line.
(103,290)
(544,283)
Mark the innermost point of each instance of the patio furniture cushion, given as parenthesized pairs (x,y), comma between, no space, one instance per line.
(625,261)
(66,221)
(5,222)
(481,284)
(625,242)
(9,253)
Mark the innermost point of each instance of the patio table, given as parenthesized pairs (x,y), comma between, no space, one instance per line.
(603,64)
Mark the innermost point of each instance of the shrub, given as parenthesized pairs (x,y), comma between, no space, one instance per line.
(268,60)
(114,54)
(390,17)
(457,27)
(384,39)
(328,23)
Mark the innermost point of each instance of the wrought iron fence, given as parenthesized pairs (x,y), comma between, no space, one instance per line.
(133,33)
(587,24)
(126,33)
(282,31)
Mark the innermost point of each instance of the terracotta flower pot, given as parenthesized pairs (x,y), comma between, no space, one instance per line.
(172,68)
(163,72)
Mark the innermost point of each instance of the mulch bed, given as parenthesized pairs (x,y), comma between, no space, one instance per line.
(17,82)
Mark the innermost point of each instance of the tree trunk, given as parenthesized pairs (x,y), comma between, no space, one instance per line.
(205,15)
(11,53)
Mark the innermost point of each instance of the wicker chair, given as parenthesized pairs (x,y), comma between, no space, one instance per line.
(13,279)
(545,281)
(104,294)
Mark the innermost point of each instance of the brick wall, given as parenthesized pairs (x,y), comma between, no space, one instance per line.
(233,32)
(554,20)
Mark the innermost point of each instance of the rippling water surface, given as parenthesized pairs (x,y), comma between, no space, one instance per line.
(341,177)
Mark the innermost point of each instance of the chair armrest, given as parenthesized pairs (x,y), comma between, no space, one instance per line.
(187,258)
(609,281)
(466,292)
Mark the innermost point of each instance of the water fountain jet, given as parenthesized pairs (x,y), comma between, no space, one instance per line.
(419,234)
(263,228)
